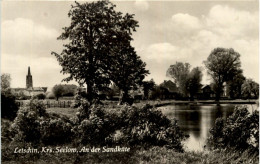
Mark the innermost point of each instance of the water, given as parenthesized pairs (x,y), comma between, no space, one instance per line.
(196,120)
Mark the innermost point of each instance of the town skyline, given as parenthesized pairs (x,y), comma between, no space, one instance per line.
(169,31)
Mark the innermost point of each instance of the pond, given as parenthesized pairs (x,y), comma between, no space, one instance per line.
(196,120)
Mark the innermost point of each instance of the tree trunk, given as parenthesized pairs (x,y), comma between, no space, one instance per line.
(125,98)
(90,92)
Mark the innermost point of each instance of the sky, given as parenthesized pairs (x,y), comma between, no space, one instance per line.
(168,32)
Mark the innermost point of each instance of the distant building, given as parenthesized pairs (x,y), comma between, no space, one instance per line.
(29,91)
(29,82)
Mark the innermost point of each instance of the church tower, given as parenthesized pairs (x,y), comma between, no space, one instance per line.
(29,82)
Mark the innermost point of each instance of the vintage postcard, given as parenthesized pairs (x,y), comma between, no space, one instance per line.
(142,81)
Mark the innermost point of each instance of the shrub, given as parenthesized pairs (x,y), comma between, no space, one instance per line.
(239,131)
(94,124)
(6,133)
(56,131)
(28,121)
(34,125)
(40,96)
(148,127)
(9,107)
(132,126)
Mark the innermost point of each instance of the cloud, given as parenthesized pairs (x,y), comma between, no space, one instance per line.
(191,39)
(24,36)
(141,5)
(160,51)
(225,20)
(186,21)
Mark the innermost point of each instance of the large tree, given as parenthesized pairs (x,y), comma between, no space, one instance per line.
(179,72)
(95,31)
(127,70)
(58,91)
(222,64)
(193,83)
(234,86)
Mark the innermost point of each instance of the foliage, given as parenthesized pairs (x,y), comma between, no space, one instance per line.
(188,82)
(27,123)
(96,127)
(250,89)
(9,107)
(222,64)
(239,131)
(234,86)
(6,133)
(95,34)
(40,96)
(148,86)
(58,91)
(127,70)
(5,83)
(130,125)
(193,83)
(34,125)
(56,131)
(69,90)
(22,95)
(79,98)
(179,72)
(147,127)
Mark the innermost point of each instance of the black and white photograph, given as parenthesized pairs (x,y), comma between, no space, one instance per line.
(132,82)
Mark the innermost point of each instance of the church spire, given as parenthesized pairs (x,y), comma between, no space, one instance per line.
(29,72)
(29,82)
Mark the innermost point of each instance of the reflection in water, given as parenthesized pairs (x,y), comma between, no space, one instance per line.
(196,120)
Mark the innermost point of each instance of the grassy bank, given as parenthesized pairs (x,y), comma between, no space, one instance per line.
(153,155)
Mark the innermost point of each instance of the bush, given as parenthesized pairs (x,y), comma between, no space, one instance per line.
(34,125)
(9,107)
(148,127)
(95,129)
(6,133)
(28,122)
(240,131)
(40,96)
(132,126)
(56,131)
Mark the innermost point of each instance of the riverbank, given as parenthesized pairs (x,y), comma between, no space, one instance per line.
(159,103)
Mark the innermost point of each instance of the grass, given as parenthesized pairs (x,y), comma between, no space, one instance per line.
(154,155)
(70,112)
